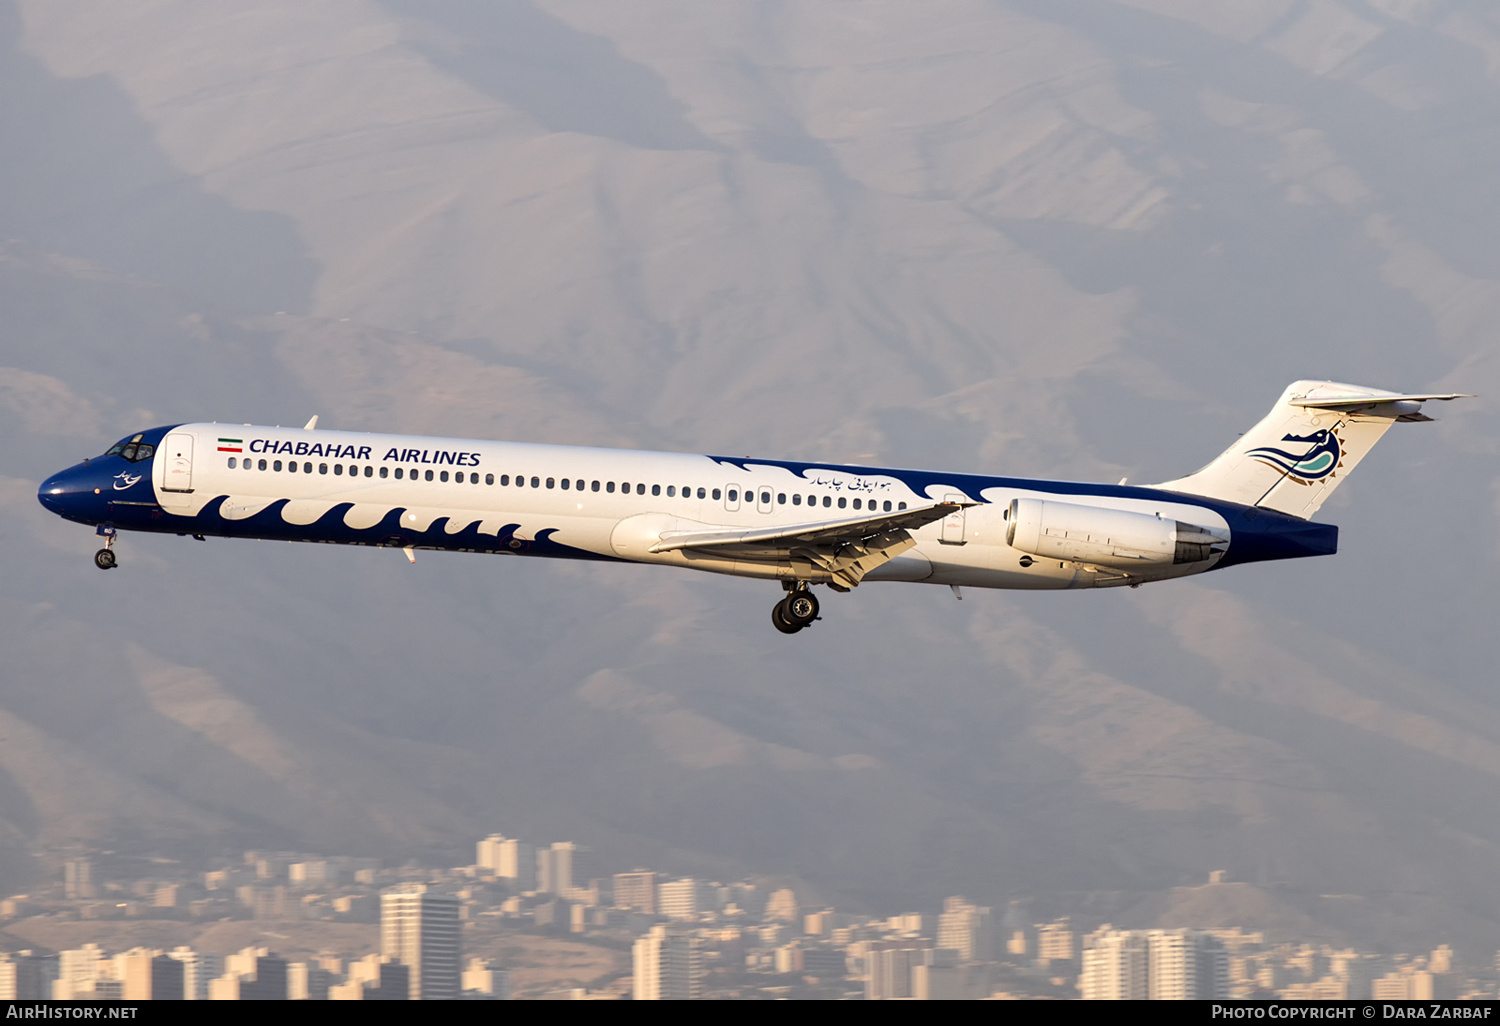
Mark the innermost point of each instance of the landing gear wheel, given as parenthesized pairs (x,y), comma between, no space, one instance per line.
(104,559)
(780,620)
(800,608)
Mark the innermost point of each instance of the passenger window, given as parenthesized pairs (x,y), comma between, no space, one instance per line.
(551,483)
(734,495)
(656,489)
(781,498)
(856,504)
(765,498)
(887,505)
(640,489)
(842,502)
(262,464)
(900,505)
(579,485)
(292,466)
(827,501)
(322,468)
(232,463)
(593,486)
(489,479)
(473,479)
(671,491)
(398,473)
(536,482)
(307,468)
(369,471)
(338,469)
(609,486)
(716,494)
(566,484)
(702,496)
(796,500)
(442,476)
(384,471)
(275,464)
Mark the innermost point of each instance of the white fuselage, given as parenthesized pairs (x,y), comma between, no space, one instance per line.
(605,503)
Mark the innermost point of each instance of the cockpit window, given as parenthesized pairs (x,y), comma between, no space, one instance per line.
(132,449)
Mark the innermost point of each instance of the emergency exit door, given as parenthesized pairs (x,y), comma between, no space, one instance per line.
(953,523)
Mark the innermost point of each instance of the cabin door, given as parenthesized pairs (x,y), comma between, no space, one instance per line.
(177,450)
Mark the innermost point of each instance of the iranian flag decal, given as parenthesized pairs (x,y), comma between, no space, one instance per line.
(231,444)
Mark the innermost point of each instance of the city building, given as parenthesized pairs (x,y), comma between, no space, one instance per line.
(888,970)
(78,879)
(198,969)
(783,905)
(79,970)
(1186,965)
(509,859)
(251,974)
(680,899)
(419,928)
(561,868)
(374,978)
(27,977)
(308,982)
(636,890)
(1157,965)
(1054,942)
(967,929)
(937,976)
(1114,966)
(483,979)
(667,964)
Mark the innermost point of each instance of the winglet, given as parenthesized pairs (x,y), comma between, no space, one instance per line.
(311,424)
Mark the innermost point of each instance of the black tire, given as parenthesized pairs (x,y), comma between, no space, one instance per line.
(782,624)
(104,559)
(800,608)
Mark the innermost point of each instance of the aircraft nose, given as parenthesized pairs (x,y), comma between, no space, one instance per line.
(68,492)
(52,493)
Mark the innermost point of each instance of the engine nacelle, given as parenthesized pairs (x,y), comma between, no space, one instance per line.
(1107,537)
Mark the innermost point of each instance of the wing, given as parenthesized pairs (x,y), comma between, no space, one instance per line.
(845,550)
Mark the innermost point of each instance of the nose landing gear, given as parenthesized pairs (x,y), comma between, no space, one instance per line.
(797,610)
(104,559)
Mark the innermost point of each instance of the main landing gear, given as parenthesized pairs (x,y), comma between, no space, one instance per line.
(104,559)
(797,610)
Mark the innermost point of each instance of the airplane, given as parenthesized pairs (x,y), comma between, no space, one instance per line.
(800,524)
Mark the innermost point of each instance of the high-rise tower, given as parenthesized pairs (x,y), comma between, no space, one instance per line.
(420,929)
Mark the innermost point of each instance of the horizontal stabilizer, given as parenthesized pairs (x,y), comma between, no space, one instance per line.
(1351,401)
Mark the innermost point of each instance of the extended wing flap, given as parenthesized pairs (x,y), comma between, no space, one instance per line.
(821,532)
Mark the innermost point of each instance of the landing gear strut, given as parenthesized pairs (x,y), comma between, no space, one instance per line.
(797,610)
(104,559)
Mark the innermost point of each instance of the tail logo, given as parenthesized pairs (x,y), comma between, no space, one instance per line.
(1323,456)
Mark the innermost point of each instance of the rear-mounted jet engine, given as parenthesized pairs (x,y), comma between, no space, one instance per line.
(1107,537)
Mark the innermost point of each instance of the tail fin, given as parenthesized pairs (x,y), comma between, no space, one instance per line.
(1312,438)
